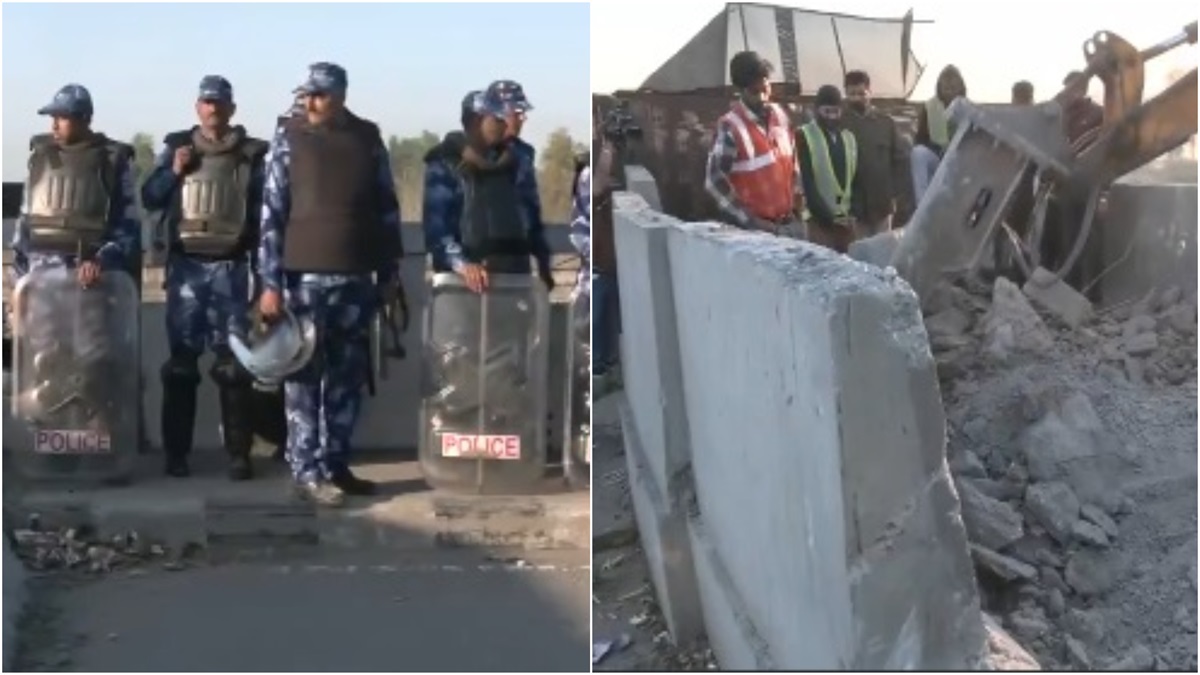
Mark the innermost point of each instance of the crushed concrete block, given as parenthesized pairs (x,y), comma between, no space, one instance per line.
(1027,625)
(1138,324)
(1141,344)
(1182,318)
(1008,569)
(990,523)
(947,328)
(1012,325)
(1085,625)
(1055,507)
(1056,602)
(1077,654)
(1050,578)
(1090,534)
(1070,444)
(876,250)
(1003,652)
(967,465)
(1096,515)
(1057,297)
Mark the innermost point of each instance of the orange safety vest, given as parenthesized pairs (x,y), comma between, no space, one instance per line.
(764,174)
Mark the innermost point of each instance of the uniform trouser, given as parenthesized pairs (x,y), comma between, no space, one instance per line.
(323,399)
(206,301)
(65,336)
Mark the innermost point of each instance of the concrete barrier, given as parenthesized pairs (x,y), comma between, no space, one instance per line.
(783,411)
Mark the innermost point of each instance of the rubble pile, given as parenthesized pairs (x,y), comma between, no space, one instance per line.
(1071,437)
(79,550)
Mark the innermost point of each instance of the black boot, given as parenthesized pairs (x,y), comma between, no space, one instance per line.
(180,377)
(236,392)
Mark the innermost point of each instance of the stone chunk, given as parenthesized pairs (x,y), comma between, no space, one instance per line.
(1012,325)
(1008,569)
(1090,573)
(967,464)
(1057,297)
(1141,344)
(1182,318)
(1096,515)
(1090,534)
(989,522)
(1055,507)
(1137,658)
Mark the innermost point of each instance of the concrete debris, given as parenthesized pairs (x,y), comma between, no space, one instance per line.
(992,523)
(1055,507)
(1087,431)
(77,549)
(1057,297)
(947,329)
(1004,567)
(1004,653)
(1096,515)
(1012,325)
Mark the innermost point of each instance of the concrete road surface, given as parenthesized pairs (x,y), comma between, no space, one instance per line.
(451,610)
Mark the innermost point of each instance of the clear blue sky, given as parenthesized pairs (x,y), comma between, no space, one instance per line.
(409,65)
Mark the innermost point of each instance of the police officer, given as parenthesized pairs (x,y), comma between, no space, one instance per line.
(79,196)
(331,219)
(79,213)
(208,182)
(476,178)
(516,108)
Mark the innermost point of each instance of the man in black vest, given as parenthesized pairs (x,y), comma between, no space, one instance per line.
(331,219)
(208,181)
(479,217)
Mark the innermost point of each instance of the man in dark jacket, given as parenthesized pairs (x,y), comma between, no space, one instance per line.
(882,159)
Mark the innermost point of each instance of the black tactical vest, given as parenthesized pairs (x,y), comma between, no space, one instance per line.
(215,218)
(334,225)
(493,229)
(71,189)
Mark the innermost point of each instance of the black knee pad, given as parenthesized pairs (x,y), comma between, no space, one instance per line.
(181,370)
(227,371)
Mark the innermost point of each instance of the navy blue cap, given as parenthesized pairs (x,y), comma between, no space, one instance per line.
(73,100)
(468,102)
(486,103)
(324,78)
(511,94)
(215,88)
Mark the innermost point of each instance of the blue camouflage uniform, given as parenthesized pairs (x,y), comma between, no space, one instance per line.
(123,240)
(323,399)
(581,228)
(43,323)
(441,211)
(208,298)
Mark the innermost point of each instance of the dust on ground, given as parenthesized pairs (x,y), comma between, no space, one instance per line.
(628,630)
(1074,454)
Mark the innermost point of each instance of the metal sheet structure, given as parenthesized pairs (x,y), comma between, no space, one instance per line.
(76,376)
(484,406)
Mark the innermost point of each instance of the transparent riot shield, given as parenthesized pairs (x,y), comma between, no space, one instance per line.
(76,371)
(484,385)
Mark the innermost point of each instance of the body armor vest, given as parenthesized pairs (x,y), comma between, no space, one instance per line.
(334,226)
(493,228)
(70,193)
(214,195)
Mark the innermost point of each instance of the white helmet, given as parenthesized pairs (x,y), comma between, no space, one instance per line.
(276,349)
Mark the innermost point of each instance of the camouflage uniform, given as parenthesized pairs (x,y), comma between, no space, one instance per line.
(323,399)
(443,197)
(208,298)
(581,229)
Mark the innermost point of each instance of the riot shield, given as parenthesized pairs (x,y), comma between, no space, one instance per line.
(484,385)
(76,371)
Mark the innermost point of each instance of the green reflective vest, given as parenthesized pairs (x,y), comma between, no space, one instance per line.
(939,124)
(834,192)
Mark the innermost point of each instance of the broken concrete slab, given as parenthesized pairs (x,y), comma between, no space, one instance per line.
(1096,515)
(876,250)
(1054,506)
(1141,344)
(990,522)
(1004,567)
(1012,325)
(1056,297)
(1090,572)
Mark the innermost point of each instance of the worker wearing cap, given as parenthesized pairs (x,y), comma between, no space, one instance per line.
(79,196)
(330,220)
(934,130)
(516,108)
(471,180)
(207,182)
(751,170)
(829,167)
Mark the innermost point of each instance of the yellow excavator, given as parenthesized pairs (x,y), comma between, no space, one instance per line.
(962,216)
